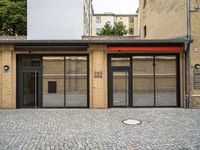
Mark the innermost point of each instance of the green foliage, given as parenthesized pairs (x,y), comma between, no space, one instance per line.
(13,18)
(106,30)
(119,29)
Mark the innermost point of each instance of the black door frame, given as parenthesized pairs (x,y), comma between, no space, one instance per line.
(120,69)
(20,84)
(110,70)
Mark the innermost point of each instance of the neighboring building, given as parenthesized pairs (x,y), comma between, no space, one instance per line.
(88,11)
(58,19)
(129,20)
(163,19)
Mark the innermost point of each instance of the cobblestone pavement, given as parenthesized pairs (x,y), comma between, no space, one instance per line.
(163,128)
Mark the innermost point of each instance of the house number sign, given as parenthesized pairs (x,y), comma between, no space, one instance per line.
(98,74)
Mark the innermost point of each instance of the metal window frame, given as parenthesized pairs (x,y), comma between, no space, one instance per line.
(20,68)
(110,70)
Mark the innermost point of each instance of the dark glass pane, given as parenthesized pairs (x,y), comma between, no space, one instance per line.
(53,72)
(28,61)
(143,81)
(120,61)
(52,88)
(30,88)
(76,81)
(120,89)
(165,78)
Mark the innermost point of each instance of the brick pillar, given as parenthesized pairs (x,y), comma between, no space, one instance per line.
(8,79)
(98,76)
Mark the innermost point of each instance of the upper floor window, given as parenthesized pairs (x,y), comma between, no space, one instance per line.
(98,30)
(145,31)
(131,31)
(98,19)
(145,3)
(108,22)
(131,20)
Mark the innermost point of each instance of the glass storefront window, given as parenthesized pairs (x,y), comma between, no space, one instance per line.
(123,61)
(76,81)
(143,81)
(53,81)
(165,80)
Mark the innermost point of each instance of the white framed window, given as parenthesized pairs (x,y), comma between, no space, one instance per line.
(108,22)
(98,30)
(98,19)
(131,20)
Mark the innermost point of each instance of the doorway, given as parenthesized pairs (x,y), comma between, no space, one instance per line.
(30,93)
(120,87)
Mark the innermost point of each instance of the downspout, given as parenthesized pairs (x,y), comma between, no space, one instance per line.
(189,102)
(184,76)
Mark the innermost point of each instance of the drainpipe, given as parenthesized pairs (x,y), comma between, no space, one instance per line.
(184,77)
(189,103)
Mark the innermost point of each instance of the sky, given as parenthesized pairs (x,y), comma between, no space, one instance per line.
(115,6)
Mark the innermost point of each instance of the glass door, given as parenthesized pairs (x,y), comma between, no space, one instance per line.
(120,88)
(29,88)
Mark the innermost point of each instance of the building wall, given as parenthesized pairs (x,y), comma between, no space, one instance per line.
(98,85)
(168,19)
(7,80)
(57,19)
(163,18)
(113,18)
(104,20)
(195,48)
(97,65)
(1,68)
(87,9)
(125,20)
(136,26)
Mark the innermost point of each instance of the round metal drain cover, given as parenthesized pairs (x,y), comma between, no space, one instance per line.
(131,122)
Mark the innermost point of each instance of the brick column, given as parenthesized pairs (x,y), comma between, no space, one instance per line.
(98,76)
(8,79)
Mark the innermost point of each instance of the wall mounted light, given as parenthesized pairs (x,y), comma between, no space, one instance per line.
(6,68)
(197,66)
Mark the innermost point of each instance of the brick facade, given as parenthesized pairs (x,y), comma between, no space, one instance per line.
(168,19)
(8,80)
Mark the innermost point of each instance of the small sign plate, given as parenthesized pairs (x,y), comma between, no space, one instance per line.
(98,74)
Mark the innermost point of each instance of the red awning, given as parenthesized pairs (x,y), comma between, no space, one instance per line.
(146,48)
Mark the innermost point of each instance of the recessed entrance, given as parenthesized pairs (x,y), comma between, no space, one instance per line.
(30,91)
(143,81)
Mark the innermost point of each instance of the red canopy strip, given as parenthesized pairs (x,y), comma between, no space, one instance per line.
(146,48)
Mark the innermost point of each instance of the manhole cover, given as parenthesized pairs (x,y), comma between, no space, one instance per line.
(131,122)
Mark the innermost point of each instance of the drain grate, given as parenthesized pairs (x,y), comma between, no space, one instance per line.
(132,122)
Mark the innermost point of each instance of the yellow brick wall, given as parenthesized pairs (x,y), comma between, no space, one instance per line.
(163,18)
(98,86)
(0,79)
(168,19)
(8,80)
(195,47)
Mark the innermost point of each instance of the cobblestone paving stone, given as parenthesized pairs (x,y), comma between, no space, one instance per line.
(88,129)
